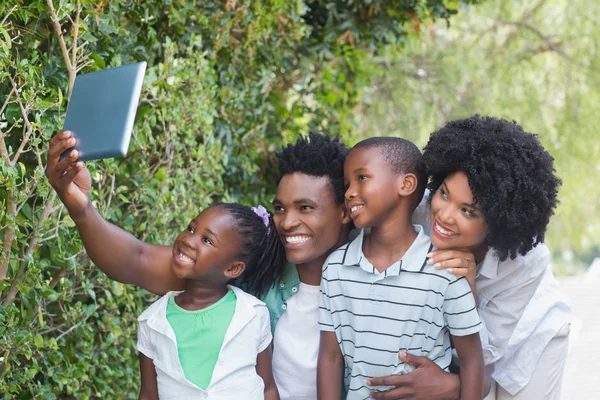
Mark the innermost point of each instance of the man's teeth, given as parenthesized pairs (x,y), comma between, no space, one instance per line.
(296,239)
(355,208)
(444,231)
(185,258)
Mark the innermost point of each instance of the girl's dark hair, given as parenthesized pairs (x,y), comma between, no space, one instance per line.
(261,249)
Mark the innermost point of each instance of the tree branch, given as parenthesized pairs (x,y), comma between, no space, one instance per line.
(75,35)
(71,68)
(27,128)
(9,235)
(33,244)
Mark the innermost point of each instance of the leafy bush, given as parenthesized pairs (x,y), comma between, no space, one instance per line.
(227,82)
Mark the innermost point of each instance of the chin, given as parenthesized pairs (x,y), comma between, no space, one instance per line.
(438,243)
(295,258)
(178,271)
(360,224)
(303,258)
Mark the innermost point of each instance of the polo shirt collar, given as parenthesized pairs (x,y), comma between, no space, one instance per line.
(413,259)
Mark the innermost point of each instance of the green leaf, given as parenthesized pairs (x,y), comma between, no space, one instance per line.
(39,341)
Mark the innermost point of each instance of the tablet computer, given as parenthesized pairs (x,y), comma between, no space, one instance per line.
(102,110)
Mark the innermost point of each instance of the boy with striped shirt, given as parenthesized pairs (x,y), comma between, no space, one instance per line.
(379,296)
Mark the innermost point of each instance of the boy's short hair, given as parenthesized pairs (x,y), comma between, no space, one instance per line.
(316,155)
(404,157)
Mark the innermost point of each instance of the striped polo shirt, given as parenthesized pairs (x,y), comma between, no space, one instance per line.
(410,306)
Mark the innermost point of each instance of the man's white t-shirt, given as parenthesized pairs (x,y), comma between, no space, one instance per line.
(296,346)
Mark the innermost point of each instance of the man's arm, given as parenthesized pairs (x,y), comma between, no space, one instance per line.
(149,386)
(470,355)
(117,253)
(426,381)
(329,368)
(265,370)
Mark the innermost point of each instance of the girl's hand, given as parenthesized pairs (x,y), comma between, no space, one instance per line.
(457,261)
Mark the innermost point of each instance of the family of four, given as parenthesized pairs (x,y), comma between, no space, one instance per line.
(383,272)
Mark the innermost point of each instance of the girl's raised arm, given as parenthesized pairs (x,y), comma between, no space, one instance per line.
(117,253)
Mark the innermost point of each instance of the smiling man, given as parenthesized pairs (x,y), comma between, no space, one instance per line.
(312,221)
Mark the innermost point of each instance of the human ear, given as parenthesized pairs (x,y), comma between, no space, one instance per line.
(407,184)
(234,270)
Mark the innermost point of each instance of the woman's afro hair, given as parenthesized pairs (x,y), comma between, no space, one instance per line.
(511,175)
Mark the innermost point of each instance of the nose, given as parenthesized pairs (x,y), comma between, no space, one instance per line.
(187,241)
(350,193)
(288,221)
(445,215)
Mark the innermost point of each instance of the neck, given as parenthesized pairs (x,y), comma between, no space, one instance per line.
(199,295)
(389,241)
(480,252)
(310,273)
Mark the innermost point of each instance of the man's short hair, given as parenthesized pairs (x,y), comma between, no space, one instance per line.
(316,155)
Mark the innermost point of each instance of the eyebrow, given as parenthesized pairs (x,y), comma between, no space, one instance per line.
(361,169)
(212,233)
(471,205)
(303,200)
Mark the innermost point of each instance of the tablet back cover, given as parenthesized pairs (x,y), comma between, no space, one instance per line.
(102,110)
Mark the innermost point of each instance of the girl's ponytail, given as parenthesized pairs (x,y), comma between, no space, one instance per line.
(270,264)
(261,248)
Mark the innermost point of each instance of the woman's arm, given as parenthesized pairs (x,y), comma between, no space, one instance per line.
(329,368)
(149,385)
(471,366)
(265,371)
(117,253)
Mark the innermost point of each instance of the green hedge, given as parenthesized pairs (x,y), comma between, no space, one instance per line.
(227,82)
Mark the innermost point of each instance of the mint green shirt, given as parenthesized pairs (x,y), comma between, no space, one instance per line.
(200,336)
(276,297)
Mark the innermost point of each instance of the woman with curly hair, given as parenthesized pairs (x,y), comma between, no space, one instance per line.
(492,191)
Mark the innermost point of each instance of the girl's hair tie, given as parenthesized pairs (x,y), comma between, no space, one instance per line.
(264,215)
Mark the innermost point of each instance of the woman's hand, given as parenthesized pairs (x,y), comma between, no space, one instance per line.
(458,262)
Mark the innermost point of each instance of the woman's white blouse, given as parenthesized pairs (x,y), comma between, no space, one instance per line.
(521,306)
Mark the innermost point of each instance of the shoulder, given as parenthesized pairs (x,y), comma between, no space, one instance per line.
(441,274)
(533,263)
(337,256)
(156,307)
(246,297)
(336,259)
